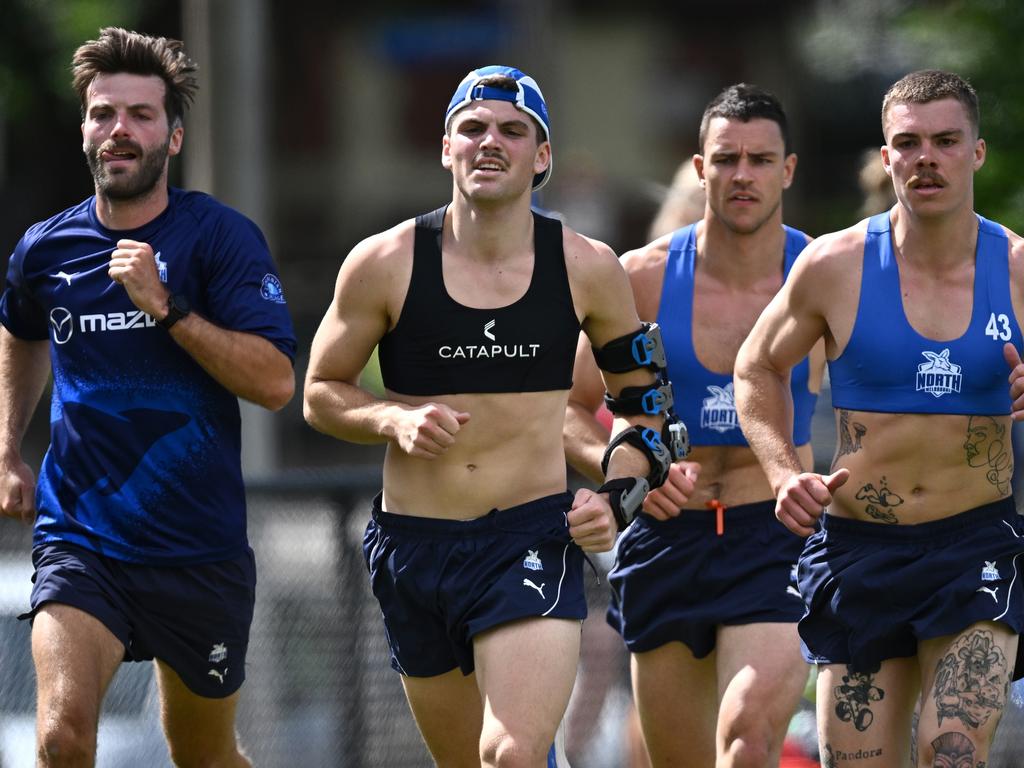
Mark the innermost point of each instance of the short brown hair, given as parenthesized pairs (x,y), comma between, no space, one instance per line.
(119,50)
(929,85)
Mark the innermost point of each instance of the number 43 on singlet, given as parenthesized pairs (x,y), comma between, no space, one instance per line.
(998,327)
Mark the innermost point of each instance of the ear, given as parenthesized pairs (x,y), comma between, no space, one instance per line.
(788,169)
(542,159)
(446,152)
(174,144)
(698,166)
(886,163)
(979,153)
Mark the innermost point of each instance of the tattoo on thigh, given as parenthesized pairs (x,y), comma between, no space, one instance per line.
(987,445)
(828,760)
(854,697)
(972,680)
(850,434)
(953,750)
(914,722)
(880,501)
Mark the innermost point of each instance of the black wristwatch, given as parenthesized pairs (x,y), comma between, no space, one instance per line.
(177,307)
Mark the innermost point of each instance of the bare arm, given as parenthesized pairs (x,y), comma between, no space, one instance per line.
(787,330)
(247,365)
(358,317)
(24,369)
(585,437)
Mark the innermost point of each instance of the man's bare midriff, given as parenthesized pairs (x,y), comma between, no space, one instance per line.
(732,475)
(915,468)
(508,453)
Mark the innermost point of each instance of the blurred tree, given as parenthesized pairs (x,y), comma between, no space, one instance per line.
(980,39)
(41,165)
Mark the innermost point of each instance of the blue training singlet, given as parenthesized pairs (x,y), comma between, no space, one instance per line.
(704,399)
(889,367)
(144,458)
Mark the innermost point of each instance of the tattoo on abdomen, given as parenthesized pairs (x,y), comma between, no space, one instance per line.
(850,433)
(971,680)
(987,446)
(854,697)
(953,750)
(880,501)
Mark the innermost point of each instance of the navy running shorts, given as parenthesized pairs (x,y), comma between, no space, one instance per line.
(442,582)
(677,579)
(874,590)
(193,618)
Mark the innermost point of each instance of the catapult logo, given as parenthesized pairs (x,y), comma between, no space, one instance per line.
(62,323)
(487,351)
(939,376)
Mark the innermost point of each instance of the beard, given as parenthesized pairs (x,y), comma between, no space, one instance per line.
(127,185)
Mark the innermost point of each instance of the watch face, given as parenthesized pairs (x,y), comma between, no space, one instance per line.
(180,303)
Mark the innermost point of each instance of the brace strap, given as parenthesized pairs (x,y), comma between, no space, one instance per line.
(626,496)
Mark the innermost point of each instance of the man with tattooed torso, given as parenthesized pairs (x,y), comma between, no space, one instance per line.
(910,580)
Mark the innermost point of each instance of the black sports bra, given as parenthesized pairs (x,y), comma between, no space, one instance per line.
(441,347)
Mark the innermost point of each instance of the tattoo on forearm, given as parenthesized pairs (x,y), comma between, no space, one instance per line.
(987,446)
(850,433)
(971,680)
(880,501)
(854,698)
(953,750)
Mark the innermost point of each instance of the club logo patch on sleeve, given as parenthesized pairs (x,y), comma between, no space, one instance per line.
(271,289)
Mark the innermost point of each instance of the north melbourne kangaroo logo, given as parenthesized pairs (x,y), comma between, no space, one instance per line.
(531,585)
(487,329)
(161,267)
(532,560)
(718,412)
(939,376)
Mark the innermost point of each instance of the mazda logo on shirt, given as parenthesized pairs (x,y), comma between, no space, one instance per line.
(62,324)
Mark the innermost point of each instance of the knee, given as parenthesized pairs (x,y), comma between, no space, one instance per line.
(66,743)
(504,750)
(191,757)
(753,752)
(749,743)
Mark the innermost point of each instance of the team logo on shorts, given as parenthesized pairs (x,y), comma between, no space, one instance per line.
(218,653)
(718,412)
(939,376)
(532,561)
(271,289)
(990,572)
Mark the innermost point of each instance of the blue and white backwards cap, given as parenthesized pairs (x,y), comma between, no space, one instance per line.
(527,98)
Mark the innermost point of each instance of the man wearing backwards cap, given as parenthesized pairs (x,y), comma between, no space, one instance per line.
(475,548)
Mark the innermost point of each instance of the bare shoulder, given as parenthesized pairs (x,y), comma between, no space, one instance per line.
(591,264)
(585,255)
(383,254)
(836,256)
(646,270)
(1016,253)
